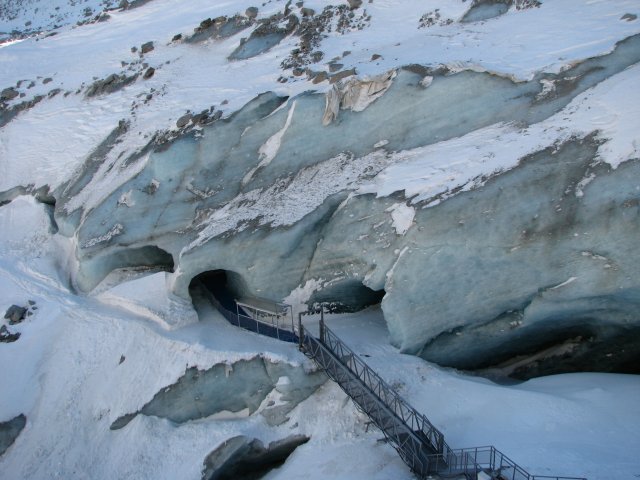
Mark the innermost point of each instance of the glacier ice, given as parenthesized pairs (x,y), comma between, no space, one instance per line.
(232,389)
(272,194)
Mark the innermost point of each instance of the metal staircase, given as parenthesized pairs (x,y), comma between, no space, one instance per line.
(420,444)
(410,433)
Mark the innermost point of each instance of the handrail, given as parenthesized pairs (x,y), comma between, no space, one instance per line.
(400,407)
(408,444)
(242,320)
(409,431)
(468,461)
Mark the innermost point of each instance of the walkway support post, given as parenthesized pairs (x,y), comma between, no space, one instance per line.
(300,333)
(322,323)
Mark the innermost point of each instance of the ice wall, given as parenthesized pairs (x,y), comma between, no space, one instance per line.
(281,199)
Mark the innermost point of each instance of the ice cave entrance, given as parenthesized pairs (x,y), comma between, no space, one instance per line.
(266,317)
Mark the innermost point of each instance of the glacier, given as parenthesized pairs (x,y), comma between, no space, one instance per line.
(455,182)
(279,196)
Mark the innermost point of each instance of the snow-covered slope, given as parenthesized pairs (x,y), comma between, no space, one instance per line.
(483,173)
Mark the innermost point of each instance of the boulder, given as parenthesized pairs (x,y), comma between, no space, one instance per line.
(15,314)
(149,73)
(146,47)
(6,336)
(8,94)
(184,120)
(251,12)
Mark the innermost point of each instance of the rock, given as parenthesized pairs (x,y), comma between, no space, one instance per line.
(146,47)
(251,12)
(355,94)
(318,77)
(184,120)
(353,4)
(110,84)
(220,27)
(149,73)
(375,57)
(341,75)
(307,12)
(200,118)
(244,457)
(629,17)
(177,37)
(8,94)
(15,314)
(6,336)
(334,67)
(47,80)
(10,430)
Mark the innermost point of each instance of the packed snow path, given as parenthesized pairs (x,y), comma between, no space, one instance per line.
(418,442)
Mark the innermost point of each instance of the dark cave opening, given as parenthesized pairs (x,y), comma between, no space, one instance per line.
(346,296)
(224,285)
(505,351)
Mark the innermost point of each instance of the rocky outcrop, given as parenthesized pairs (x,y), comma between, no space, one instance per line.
(243,457)
(355,94)
(6,336)
(110,84)
(10,430)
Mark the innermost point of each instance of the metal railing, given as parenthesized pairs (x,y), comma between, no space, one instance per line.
(415,420)
(408,444)
(420,444)
(241,319)
(489,459)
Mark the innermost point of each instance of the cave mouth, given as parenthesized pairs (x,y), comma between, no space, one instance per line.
(224,285)
(345,296)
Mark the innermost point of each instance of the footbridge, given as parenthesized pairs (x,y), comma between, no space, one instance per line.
(418,442)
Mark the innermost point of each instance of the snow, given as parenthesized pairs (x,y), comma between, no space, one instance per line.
(198,76)
(402,216)
(64,373)
(612,108)
(270,148)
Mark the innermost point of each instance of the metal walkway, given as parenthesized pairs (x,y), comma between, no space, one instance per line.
(417,441)
(420,444)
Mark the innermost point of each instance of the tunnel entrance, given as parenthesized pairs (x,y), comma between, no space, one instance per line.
(226,291)
(222,284)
